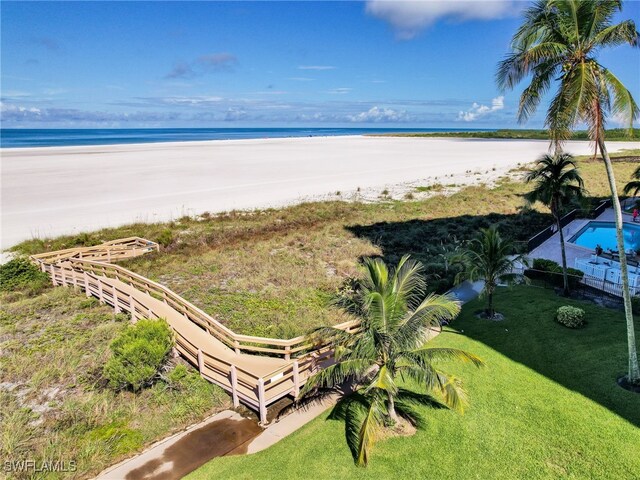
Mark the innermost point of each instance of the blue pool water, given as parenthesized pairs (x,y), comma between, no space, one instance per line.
(604,234)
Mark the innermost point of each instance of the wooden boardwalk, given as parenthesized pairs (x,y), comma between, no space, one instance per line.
(256,371)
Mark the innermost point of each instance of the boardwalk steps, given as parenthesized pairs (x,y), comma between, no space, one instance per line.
(256,371)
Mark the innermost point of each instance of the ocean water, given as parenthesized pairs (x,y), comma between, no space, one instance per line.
(14,137)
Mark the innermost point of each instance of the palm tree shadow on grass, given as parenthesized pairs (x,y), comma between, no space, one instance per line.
(546,350)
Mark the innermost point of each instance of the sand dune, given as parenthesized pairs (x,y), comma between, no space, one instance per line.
(59,190)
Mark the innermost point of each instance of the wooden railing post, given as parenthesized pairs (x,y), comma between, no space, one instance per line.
(52,272)
(114,292)
(287,352)
(132,309)
(236,346)
(86,283)
(262,404)
(100,292)
(200,362)
(234,387)
(296,379)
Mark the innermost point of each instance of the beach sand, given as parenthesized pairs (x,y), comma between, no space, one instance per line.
(63,190)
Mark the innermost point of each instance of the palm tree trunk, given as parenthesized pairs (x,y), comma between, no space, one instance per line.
(565,277)
(391,407)
(634,369)
(490,305)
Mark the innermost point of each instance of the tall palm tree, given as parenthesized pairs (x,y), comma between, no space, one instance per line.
(489,257)
(397,320)
(557,43)
(557,184)
(633,187)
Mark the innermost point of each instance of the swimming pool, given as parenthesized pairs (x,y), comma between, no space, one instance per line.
(604,234)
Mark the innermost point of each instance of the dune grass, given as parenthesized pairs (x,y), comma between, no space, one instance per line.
(54,401)
(546,407)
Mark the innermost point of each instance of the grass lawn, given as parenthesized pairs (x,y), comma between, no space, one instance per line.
(545,407)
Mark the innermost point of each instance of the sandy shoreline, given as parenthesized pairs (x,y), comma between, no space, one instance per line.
(49,191)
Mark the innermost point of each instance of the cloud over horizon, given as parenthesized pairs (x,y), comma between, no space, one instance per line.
(409,18)
(478,111)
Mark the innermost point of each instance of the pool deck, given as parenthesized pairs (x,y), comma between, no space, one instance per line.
(550,249)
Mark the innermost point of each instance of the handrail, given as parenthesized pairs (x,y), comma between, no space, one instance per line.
(231,363)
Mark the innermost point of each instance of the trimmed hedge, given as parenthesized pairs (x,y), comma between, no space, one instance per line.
(551,272)
(571,317)
(138,354)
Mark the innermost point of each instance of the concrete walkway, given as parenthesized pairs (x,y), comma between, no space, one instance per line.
(174,457)
(467,291)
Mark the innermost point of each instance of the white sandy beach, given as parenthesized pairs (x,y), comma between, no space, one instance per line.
(62,190)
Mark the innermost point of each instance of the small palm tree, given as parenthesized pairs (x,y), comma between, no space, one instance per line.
(557,184)
(389,346)
(488,257)
(558,43)
(633,187)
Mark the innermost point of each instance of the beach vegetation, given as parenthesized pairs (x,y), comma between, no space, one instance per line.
(137,354)
(19,273)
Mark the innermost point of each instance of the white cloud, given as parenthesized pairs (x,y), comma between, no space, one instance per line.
(316,67)
(476,111)
(340,91)
(408,18)
(377,114)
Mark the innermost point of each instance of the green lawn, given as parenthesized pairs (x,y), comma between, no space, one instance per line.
(546,406)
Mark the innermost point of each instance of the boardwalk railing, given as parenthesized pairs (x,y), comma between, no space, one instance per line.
(257,371)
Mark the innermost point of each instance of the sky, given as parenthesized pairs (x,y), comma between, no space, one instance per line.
(428,64)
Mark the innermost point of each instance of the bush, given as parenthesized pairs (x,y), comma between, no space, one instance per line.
(138,354)
(165,237)
(551,272)
(635,305)
(20,273)
(571,317)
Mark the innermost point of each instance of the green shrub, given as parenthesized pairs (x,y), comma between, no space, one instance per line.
(571,317)
(546,265)
(138,353)
(165,237)
(20,273)
(635,305)
(551,272)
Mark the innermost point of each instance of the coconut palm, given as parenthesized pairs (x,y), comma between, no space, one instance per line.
(488,257)
(396,323)
(557,44)
(557,184)
(633,187)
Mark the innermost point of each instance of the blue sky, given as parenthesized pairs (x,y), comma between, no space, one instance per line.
(241,64)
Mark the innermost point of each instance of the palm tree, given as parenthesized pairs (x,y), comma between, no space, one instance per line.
(389,346)
(488,257)
(557,184)
(558,42)
(633,187)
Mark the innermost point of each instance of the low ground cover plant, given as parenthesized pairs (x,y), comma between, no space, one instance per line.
(138,353)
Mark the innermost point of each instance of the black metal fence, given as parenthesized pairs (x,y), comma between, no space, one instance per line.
(547,233)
